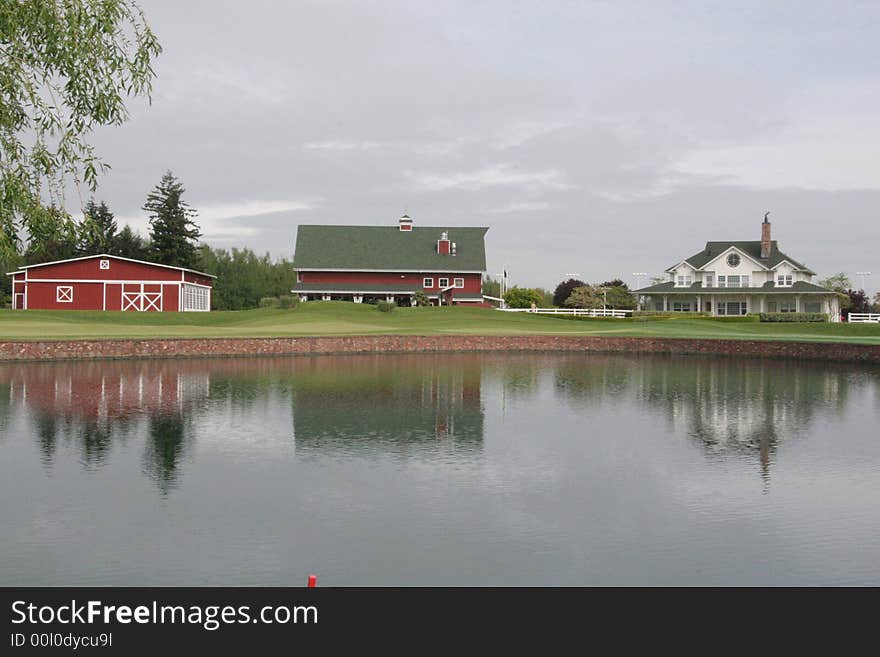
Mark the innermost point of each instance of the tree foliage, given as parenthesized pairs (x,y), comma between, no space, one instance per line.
(97,233)
(838,282)
(491,287)
(617,295)
(585,296)
(243,277)
(523,297)
(173,232)
(564,290)
(66,67)
(855,301)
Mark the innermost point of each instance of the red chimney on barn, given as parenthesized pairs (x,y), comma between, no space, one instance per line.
(765,237)
(444,246)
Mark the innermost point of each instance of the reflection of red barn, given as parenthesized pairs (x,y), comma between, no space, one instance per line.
(105,282)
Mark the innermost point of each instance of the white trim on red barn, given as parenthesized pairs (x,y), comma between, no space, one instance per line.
(107,255)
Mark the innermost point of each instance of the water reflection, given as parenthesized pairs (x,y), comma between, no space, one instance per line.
(726,405)
(362,404)
(405,405)
(484,468)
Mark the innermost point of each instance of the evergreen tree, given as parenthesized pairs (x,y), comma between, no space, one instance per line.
(129,244)
(173,232)
(97,233)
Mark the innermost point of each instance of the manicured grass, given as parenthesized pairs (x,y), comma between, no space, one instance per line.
(337,318)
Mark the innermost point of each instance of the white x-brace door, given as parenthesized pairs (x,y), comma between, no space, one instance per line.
(142,301)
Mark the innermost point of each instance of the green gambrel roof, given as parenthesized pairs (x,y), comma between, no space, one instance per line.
(752,249)
(385,248)
(669,287)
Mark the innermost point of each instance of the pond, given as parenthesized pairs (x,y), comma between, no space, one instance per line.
(446,469)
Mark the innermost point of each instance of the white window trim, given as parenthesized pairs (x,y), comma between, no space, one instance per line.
(441,284)
(784,278)
(427,283)
(69,295)
(688,280)
(458,282)
(104,264)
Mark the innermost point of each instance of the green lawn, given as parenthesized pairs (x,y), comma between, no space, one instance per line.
(337,318)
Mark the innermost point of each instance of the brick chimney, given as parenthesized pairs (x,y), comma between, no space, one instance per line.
(406,223)
(765,237)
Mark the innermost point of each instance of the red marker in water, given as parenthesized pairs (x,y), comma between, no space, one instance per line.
(313,581)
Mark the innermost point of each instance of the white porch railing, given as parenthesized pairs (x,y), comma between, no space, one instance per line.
(857,318)
(578,312)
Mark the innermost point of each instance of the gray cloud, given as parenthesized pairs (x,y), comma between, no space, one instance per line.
(602,138)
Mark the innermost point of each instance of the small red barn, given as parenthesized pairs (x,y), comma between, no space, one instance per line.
(106,282)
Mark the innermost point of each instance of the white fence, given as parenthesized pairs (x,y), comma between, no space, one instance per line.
(856,318)
(577,312)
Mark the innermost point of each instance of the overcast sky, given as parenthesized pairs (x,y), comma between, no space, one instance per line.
(598,138)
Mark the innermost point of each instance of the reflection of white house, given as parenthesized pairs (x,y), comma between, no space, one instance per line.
(738,278)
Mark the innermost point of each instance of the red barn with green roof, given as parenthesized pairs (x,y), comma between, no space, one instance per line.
(393,263)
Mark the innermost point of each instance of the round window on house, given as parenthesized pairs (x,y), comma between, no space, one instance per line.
(733,260)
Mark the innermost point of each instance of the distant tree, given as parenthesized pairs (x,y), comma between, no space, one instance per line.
(130,244)
(585,296)
(838,282)
(618,296)
(491,287)
(564,290)
(856,301)
(877,302)
(546,298)
(173,233)
(616,282)
(243,277)
(97,232)
(522,297)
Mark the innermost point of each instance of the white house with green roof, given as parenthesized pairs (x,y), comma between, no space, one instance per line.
(390,263)
(739,278)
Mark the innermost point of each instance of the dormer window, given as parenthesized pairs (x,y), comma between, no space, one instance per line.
(784,280)
(684,281)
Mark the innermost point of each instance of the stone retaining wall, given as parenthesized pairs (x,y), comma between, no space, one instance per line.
(166,348)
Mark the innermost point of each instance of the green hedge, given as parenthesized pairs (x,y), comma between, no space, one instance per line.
(794,317)
(667,314)
(386,306)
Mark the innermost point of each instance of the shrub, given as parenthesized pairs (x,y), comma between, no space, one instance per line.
(286,302)
(421,299)
(269,302)
(794,317)
(522,297)
(386,306)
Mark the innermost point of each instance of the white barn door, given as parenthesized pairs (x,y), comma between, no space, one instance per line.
(141,301)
